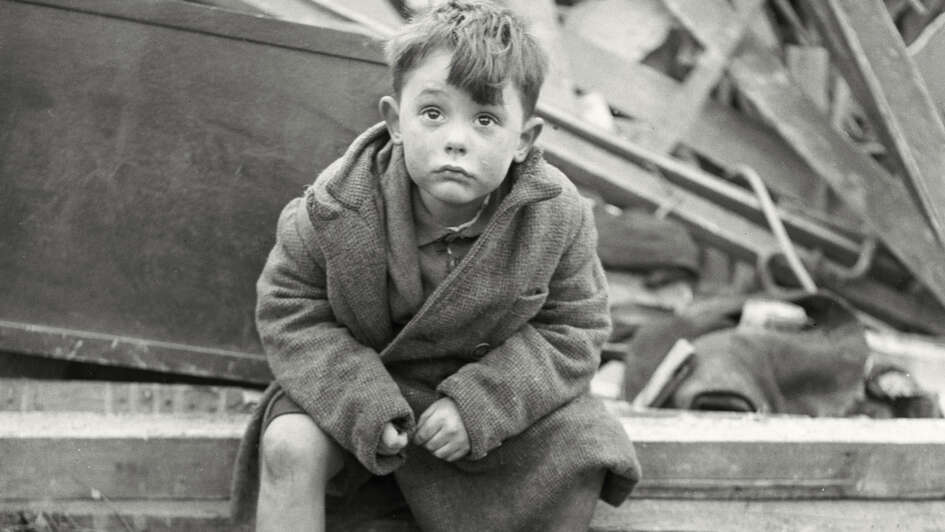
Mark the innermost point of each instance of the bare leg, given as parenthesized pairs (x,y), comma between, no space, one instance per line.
(576,513)
(297,459)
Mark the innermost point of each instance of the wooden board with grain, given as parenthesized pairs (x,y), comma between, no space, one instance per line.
(64,456)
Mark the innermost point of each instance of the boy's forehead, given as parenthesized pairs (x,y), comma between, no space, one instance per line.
(430,77)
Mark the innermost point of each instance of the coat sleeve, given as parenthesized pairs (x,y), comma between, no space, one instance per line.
(546,363)
(337,380)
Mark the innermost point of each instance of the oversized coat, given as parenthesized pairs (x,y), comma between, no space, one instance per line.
(512,335)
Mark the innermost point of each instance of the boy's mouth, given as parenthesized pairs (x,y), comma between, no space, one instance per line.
(452,170)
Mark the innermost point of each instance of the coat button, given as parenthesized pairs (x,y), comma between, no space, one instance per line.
(481,350)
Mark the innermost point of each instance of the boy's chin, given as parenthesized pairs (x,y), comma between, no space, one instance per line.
(458,196)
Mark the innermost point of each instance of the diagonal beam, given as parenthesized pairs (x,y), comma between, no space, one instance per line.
(869,51)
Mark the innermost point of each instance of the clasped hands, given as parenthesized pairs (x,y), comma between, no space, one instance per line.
(440,430)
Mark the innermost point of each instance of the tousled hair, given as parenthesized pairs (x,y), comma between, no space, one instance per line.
(491,46)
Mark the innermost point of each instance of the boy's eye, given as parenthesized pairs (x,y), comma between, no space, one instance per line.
(485,120)
(431,113)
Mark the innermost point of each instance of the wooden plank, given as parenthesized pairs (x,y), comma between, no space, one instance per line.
(104,397)
(141,181)
(928,52)
(869,51)
(867,189)
(128,457)
(761,458)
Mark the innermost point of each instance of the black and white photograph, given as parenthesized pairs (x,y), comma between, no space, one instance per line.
(472,265)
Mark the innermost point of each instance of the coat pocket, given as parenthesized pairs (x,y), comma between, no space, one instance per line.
(528,305)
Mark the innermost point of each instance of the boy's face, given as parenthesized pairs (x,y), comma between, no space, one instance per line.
(456,150)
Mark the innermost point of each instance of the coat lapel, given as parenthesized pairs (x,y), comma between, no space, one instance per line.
(349,231)
(358,276)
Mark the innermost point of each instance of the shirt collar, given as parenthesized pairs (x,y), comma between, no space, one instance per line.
(429,231)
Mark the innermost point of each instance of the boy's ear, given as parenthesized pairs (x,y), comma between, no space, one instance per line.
(390,110)
(530,131)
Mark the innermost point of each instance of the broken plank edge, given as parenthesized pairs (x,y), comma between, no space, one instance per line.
(114,350)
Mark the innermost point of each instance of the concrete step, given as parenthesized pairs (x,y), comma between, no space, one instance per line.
(636,515)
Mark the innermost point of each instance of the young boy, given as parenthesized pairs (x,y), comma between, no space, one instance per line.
(434,308)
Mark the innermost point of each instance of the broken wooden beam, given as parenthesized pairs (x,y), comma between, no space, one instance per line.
(719,29)
(139,353)
(882,202)
(672,111)
(718,133)
(868,49)
(836,245)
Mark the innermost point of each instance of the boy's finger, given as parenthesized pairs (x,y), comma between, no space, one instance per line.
(425,432)
(426,414)
(439,440)
(390,433)
(400,441)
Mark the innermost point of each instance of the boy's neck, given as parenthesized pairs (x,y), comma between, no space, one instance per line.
(449,215)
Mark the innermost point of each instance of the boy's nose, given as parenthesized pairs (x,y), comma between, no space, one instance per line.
(456,141)
(455,148)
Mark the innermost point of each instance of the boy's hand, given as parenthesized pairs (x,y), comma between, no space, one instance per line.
(441,431)
(392,440)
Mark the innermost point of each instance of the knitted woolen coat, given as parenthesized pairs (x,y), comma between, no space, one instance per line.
(512,335)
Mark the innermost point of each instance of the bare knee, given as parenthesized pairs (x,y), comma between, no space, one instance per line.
(295,450)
